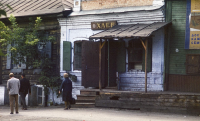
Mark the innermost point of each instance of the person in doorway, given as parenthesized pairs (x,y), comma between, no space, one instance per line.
(13,85)
(25,88)
(66,86)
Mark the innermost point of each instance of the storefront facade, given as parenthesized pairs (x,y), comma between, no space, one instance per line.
(77,28)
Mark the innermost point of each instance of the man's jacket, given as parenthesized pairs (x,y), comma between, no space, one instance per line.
(25,86)
(13,86)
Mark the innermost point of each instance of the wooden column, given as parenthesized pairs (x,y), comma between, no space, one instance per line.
(146,44)
(145,48)
(100,64)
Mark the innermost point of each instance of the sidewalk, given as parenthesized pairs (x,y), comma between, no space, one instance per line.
(56,113)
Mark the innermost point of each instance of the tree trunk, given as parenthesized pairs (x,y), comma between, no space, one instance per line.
(45,100)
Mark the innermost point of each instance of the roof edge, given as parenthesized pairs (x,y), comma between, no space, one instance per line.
(116,10)
(39,13)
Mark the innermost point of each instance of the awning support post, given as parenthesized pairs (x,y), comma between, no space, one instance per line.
(108,63)
(145,48)
(100,46)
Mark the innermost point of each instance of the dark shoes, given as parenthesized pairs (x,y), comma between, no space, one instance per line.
(24,108)
(67,107)
(16,113)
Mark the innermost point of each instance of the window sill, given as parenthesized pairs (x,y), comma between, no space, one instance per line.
(37,71)
(16,71)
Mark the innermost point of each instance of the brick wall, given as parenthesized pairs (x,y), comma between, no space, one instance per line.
(187,103)
(104,4)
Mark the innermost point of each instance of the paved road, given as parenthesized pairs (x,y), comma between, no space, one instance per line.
(56,113)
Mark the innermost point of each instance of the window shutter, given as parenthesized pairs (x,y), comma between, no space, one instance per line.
(8,64)
(48,49)
(149,57)
(121,57)
(67,55)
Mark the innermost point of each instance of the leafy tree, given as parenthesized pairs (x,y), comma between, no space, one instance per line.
(22,44)
(49,78)
(3,12)
(2,9)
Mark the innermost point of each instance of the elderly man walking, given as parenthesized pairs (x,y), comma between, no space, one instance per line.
(13,86)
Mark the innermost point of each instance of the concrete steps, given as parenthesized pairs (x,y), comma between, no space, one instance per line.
(86,99)
(83,105)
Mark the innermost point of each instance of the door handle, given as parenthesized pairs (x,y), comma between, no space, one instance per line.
(86,67)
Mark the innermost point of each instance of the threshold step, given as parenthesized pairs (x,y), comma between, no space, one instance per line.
(86,101)
(86,97)
(83,105)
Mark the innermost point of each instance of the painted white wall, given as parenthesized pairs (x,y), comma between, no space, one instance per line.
(134,81)
(158,51)
(2,93)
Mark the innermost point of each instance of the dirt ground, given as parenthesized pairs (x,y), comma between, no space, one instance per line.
(56,113)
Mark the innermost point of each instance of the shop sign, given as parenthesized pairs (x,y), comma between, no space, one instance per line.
(103,25)
(192,40)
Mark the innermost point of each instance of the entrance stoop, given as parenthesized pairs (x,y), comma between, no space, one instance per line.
(86,99)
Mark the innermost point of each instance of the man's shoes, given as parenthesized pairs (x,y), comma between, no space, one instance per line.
(25,108)
(17,112)
(65,108)
(69,106)
(11,113)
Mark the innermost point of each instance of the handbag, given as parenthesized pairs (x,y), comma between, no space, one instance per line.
(73,101)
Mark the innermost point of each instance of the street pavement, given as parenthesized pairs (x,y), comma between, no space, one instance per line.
(56,113)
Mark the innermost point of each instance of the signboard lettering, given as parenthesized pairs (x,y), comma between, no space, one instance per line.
(103,25)
(192,40)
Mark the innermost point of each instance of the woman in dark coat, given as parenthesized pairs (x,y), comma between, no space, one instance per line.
(67,91)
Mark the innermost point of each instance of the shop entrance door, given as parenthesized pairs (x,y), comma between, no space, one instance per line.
(90,64)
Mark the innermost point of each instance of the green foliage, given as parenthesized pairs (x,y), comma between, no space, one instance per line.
(23,41)
(49,78)
(22,44)
(3,12)
(4,6)
(50,82)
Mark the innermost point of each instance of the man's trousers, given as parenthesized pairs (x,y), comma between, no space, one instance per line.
(22,97)
(13,98)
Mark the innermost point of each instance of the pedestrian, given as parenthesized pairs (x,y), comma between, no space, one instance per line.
(66,86)
(13,86)
(25,88)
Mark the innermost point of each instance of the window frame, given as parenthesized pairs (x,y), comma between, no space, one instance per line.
(77,54)
(135,48)
(188,65)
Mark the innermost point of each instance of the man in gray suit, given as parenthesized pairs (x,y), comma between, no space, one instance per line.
(13,86)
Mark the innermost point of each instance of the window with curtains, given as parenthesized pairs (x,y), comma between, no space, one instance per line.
(136,55)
